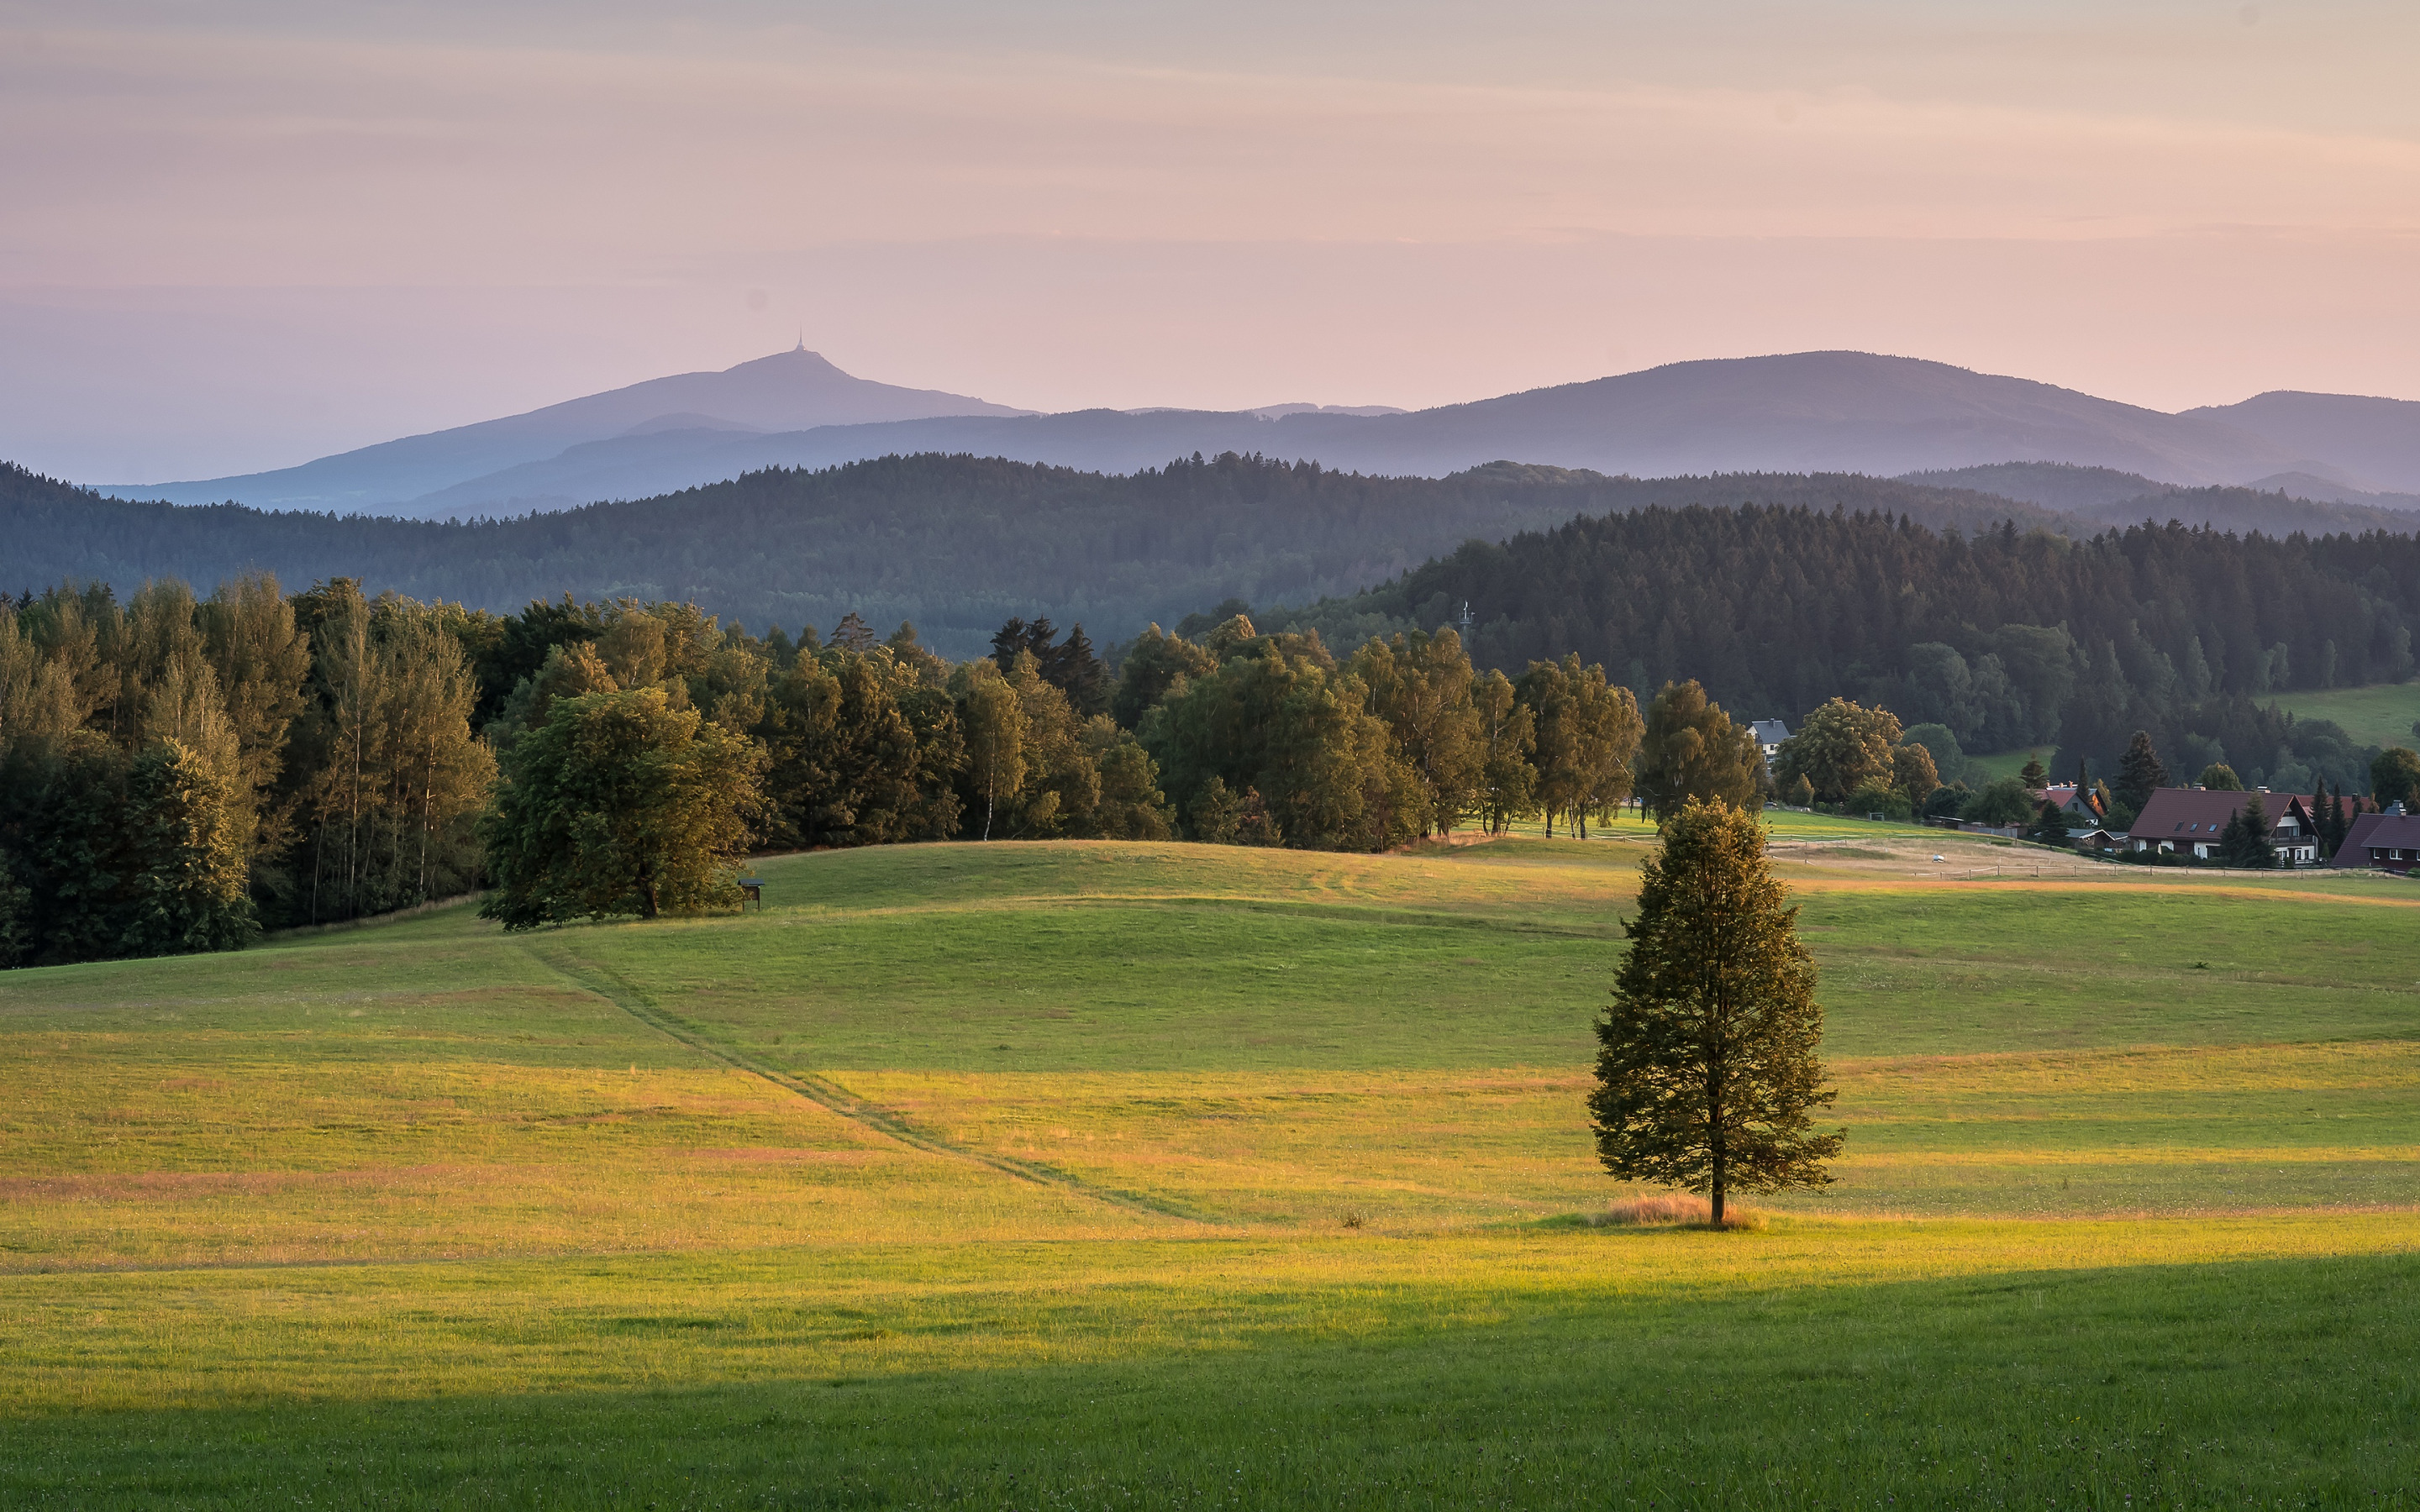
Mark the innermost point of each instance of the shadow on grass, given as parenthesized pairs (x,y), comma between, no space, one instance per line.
(2269,1382)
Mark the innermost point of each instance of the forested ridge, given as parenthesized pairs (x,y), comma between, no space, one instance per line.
(956,543)
(2008,637)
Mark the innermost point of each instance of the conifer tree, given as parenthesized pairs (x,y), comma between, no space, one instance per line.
(2244,841)
(1707,1069)
(2139,773)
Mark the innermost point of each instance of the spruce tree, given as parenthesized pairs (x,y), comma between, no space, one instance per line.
(2139,772)
(2244,841)
(1706,1068)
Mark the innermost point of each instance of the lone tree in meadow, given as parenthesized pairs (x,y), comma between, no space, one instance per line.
(1706,1064)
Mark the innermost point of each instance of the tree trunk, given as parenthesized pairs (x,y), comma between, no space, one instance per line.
(1714,1116)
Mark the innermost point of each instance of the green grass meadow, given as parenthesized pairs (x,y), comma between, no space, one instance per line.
(1124,1175)
(2379,715)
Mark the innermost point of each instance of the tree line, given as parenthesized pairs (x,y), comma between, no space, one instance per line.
(181,773)
(2004,638)
(175,773)
(956,544)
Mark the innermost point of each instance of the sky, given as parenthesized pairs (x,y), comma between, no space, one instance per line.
(239,234)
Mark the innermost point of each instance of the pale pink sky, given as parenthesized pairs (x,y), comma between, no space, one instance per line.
(240,236)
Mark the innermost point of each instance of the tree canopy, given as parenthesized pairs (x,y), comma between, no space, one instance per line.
(618,804)
(1707,1069)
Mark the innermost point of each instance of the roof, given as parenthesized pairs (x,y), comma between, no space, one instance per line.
(2200,814)
(1770,732)
(2388,831)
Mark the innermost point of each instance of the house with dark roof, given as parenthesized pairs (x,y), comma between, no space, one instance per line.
(2189,821)
(2082,806)
(1770,733)
(2386,841)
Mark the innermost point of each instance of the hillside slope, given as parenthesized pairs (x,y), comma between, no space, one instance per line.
(789,391)
(2369,443)
(1800,413)
(956,544)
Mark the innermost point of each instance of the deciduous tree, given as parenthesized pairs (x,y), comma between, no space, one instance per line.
(618,804)
(1838,748)
(1689,748)
(2395,776)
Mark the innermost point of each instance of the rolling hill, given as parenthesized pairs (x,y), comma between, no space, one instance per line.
(956,544)
(787,391)
(2369,443)
(1801,413)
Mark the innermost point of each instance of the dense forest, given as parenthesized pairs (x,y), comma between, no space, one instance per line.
(179,774)
(2007,638)
(956,544)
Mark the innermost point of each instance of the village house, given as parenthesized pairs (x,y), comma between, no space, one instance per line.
(2189,821)
(1770,733)
(2081,806)
(2389,841)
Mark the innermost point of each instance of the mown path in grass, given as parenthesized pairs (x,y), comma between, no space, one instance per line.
(1169,1173)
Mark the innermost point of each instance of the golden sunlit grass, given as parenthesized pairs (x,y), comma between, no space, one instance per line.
(1151,1172)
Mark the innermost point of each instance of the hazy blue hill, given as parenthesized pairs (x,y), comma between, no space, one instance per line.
(787,391)
(1808,412)
(2242,510)
(2051,484)
(2369,443)
(956,543)
(1804,412)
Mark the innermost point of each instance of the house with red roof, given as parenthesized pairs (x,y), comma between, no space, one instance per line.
(2189,821)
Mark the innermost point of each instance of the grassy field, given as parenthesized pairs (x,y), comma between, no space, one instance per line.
(2378,716)
(1102,1174)
(2000,763)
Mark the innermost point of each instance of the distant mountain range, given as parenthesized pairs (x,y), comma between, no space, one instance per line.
(790,392)
(1804,412)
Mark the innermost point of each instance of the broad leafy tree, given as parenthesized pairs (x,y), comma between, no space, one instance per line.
(1507,734)
(1707,1069)
(2001,803)
(1421,684)
(1154,663)
(1913,771)
(1838,748)
(2395,776)
(1689,748)
(618,804)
